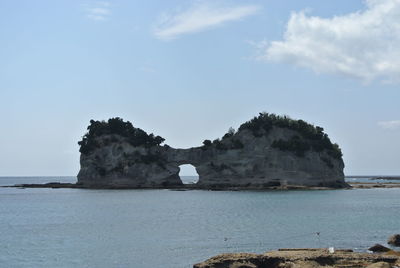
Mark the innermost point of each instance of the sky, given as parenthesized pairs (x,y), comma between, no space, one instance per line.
(189,70)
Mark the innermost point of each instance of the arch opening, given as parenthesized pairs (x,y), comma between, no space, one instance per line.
(188,174)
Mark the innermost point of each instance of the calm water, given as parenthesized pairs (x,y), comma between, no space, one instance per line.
(174,229)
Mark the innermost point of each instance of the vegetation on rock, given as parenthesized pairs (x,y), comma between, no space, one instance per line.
(295,144)
(310,137)
(225,143)
(230,133)
(207,143)
(116,126)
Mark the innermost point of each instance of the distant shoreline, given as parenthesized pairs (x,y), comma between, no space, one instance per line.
(375,177)
(57,185)
(188,187)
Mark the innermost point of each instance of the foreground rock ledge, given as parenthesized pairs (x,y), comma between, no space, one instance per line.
(299,258)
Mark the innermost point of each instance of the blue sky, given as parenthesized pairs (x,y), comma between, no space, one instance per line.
(189,70)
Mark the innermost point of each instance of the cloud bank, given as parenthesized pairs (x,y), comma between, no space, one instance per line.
(199,18)
(363,45)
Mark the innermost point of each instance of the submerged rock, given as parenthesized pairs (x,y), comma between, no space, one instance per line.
(266,152)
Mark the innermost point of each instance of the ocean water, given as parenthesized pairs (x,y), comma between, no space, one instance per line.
(175,229)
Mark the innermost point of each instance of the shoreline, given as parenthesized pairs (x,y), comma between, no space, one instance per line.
(304,257)
(188,187)
(372,185)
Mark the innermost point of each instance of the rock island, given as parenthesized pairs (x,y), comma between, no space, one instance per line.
(267,152)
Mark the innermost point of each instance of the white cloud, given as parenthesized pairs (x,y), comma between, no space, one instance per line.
(394,124)
(200,17)
(364,44)
(98,11)
(147,69)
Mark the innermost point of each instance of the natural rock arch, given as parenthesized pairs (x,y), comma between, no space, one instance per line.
(186,178)
(267,151)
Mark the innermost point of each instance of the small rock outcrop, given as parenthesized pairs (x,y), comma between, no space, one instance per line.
(394,240)
(379,248)
(268,151)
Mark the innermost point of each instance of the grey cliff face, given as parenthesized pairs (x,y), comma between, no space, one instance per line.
(239,161)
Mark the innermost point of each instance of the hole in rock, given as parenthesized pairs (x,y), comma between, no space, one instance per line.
(188,174)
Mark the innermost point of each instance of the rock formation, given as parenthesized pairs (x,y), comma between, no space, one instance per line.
(394,240)
(379,248)
(303,258)
(267,151)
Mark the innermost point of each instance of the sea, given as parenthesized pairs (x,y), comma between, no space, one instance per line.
(176,229)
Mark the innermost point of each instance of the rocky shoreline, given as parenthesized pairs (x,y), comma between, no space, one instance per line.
(182,187)
(353,185)
(372,185)
(394,178)
(304,258)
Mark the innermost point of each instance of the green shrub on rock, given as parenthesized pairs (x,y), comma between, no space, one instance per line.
(116,126)
(310,137)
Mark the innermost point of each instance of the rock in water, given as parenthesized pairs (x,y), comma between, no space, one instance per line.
(379,248)
(394,240)
(268,151)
